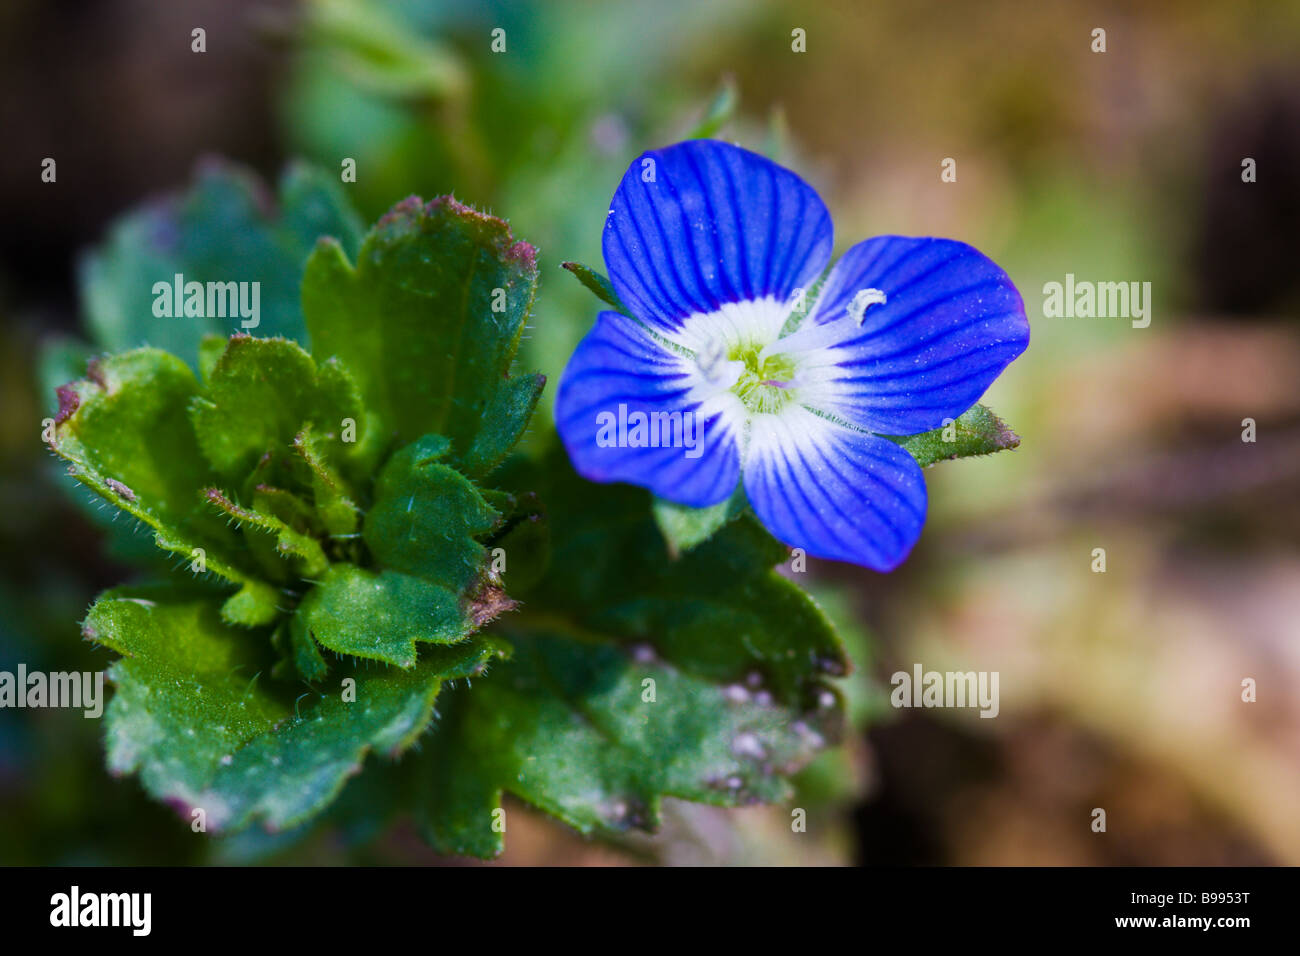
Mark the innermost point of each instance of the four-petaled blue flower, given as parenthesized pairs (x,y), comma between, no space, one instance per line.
(714,251)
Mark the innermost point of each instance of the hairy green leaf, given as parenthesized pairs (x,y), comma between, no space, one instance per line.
(428,320)
(426,516)
(381,615)
(504,422)
(126,434)
(198,717)
(283,542)
(274,470)
(739,658)
(330,491)
(597,734)
(259,395)
(722,612)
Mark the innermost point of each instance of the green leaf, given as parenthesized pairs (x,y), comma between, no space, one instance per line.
(197,716)
(223,229)
(739,656)
(426,516)
(429,319)
(597,734)
(719,112)
(60,360)
(254,604)
(307,658)
(724,614)
(375,49)
(125,425)
(188,688)
(285,543)
(597,283)
(504,422)
(260,394)
(211,348)
(380,616)
(684,527)
(269,471)
(290,508)
(976,432)
(332,496)
(126,434)
(352,440)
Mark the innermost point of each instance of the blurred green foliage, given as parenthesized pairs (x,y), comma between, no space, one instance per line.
(541,133)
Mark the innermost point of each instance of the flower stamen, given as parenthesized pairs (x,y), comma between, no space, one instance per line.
(857,309)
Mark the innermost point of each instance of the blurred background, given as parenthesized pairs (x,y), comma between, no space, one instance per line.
(1119,690)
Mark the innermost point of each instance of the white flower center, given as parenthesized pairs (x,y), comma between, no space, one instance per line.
(739,359)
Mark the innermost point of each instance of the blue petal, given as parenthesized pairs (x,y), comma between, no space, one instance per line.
(619,364)
(717,224)
(953,321)
(835,492)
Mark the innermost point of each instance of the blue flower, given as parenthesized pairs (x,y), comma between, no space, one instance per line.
(744,360)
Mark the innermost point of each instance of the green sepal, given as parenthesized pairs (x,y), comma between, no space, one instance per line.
(598,284)
(976,432)
(684,527)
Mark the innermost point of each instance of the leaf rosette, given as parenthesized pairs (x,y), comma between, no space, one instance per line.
(362,560)
(324,506)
